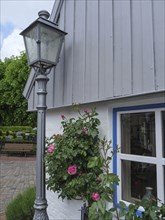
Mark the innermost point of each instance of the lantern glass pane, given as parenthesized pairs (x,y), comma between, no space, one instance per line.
(31,45)
(50,44)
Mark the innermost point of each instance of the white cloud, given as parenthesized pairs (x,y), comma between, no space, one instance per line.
(22,12)
(12,45)
(19,14)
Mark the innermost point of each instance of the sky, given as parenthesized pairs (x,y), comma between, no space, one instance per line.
(15,16)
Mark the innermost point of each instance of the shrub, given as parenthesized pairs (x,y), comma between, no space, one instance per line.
(68,156)
(21,207)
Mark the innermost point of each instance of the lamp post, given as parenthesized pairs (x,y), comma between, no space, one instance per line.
(43,41)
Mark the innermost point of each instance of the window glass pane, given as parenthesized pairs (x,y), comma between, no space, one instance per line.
(163,130)
(138,133)
(31,45)
(136,177)
(50,43)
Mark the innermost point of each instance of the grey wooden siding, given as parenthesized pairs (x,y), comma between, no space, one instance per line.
(114,48)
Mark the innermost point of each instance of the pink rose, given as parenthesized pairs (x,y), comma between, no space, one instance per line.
(99,179)
(85,110)
(72,170)
(63,117)
(85,130)
(95,196)
(50,149)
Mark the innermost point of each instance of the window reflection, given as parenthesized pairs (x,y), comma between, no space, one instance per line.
(138,133)
(136,177)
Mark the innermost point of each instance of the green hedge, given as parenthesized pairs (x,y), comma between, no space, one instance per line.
(17,128)
(21,207)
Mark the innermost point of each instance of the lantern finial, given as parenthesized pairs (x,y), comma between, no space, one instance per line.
(43,14)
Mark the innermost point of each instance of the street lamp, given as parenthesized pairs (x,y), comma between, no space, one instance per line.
(43,41)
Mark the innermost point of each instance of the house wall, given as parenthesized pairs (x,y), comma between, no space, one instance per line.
(57,209)
(113,49)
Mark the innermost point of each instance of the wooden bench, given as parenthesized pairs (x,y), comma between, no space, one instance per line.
(19,148)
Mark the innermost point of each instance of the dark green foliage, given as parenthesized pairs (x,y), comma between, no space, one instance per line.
(21,208)
(14,73)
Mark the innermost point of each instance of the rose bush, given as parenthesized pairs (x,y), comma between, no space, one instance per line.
(70,156)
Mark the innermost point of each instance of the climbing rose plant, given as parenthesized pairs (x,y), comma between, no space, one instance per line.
(70,156)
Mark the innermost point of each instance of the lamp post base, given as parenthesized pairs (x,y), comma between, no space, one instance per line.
(40,211)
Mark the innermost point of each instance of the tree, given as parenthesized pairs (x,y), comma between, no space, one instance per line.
(14,72)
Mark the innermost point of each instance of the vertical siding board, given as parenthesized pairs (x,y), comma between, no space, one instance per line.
(58,83)
(137,55)
(159,33)
(147,43)
(122,48)
(58,89)
(126,48)
(69,28)
(117,49)
(79,52)
(105,49)
(91,69)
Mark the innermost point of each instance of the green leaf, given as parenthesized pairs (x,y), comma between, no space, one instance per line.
(107,198)
(122,212)
(112,209)
(108,216)
(93,162)
(93,211)
(94,133)
(153,215)
(101,206)
(122,204)
(131,208)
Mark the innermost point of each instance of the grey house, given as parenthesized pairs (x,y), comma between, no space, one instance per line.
(113,58)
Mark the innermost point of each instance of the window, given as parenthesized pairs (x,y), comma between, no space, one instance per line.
(140,134)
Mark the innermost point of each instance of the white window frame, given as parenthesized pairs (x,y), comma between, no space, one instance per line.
(158,160)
